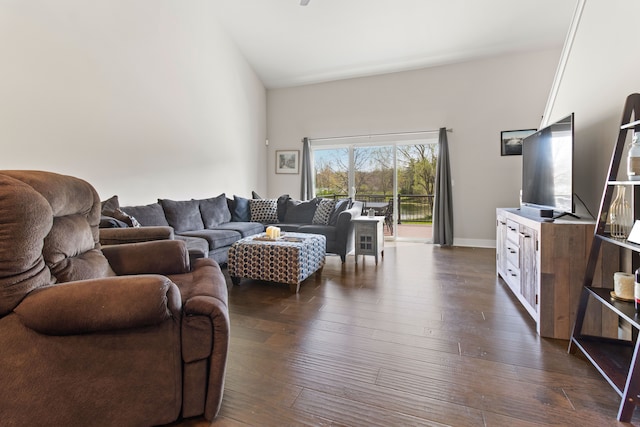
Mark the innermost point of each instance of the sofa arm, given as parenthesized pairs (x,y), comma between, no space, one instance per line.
(344,230)
(157,257)
(106,304)
(117,236)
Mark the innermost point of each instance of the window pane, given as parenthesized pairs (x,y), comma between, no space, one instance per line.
(331,172)
(373,173)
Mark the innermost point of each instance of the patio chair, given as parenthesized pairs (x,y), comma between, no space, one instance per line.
(388,216)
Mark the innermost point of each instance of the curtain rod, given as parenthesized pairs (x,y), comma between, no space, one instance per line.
(418,132)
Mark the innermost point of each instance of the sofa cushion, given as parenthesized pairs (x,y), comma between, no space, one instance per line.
(244,228)
(147,215)
(300,212)
(341,206)
(183,215)
(197,247)
(240,210)
(264,210)
(326,230)
(289,227)
(323,212)
(215,238)
(215,211)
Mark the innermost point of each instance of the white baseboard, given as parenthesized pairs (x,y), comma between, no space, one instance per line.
(475,243)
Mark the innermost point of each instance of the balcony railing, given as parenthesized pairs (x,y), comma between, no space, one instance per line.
(412,207)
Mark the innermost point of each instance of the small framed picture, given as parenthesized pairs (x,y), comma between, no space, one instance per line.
(287,161)
(511,141)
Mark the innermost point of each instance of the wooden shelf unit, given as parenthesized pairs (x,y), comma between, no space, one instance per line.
(616,358)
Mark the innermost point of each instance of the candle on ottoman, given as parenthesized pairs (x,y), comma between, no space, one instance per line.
(272,232)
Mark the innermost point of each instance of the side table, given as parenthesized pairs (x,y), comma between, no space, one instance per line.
(369,236)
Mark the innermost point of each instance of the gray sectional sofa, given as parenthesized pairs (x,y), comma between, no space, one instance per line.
(211,226)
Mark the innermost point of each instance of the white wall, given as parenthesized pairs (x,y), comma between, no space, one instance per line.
(144,99)
(477,99)
(603,68)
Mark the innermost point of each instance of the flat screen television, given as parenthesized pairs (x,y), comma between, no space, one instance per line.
(547,168)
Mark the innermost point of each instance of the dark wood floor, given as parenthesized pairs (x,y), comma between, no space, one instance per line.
(430,337)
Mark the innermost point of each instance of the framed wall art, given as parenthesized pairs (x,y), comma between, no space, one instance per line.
(287,161)
(511,141)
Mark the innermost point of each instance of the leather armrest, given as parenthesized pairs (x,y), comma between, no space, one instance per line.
(117,236)
(106,304)
(157,257)
(205,327)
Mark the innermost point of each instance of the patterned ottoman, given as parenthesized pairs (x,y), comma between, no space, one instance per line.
(289,259)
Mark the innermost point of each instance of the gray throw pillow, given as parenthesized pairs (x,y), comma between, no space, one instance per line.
(341,206)
(240,212)
(147,215)
(215,211)
(282,206)
(111,204)
(183,215)
(300,212)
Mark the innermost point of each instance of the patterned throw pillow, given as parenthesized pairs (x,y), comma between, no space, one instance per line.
(323,212)
(264,210)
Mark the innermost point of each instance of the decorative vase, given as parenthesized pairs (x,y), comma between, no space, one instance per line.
(620,214)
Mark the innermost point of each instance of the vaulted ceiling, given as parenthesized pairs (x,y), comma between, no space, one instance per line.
(289,44)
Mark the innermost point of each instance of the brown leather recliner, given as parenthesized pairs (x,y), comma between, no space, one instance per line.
(125,336)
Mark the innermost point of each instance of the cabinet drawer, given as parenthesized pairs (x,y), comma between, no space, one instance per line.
(513,232)
(513,254)
(513,278)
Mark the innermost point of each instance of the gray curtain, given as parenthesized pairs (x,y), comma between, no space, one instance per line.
(306,180)
(442,204)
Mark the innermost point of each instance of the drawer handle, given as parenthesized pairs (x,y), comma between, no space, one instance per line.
(526,236)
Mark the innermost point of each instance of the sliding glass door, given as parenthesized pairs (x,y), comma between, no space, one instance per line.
(416,172)
(394,178)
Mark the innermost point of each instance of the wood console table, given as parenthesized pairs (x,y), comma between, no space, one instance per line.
(543,264)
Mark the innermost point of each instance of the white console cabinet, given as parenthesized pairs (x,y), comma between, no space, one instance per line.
(369,236)
(543,264)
